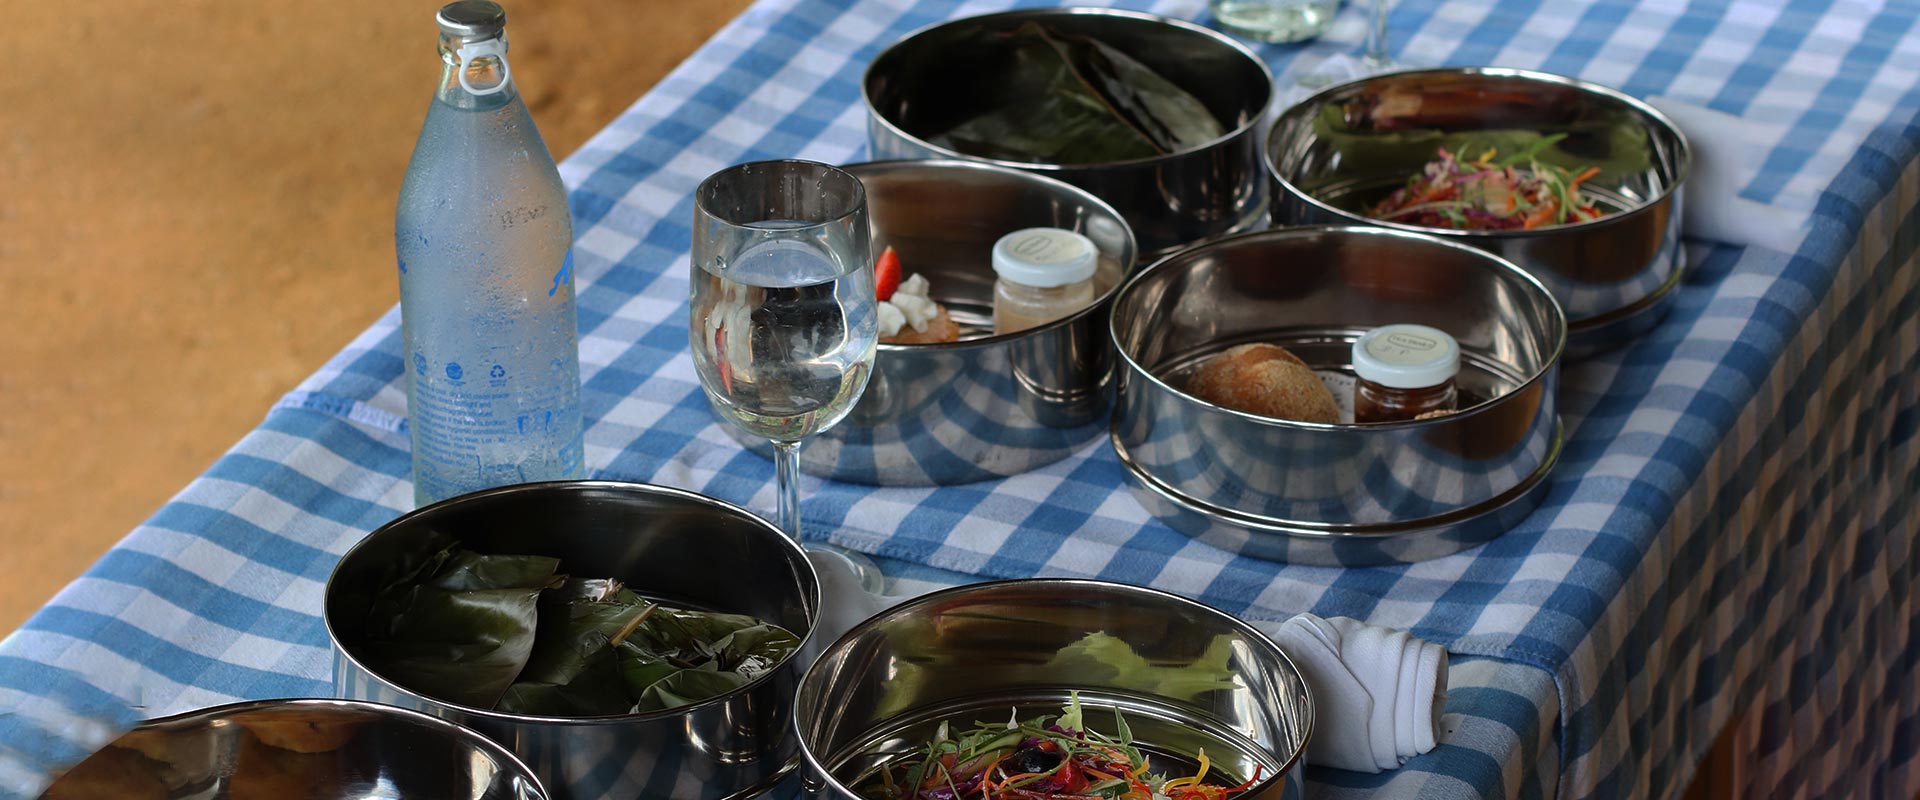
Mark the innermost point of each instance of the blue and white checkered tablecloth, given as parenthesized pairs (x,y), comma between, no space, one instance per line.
(1728,542)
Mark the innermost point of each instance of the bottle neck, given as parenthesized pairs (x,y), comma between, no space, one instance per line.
(484,65)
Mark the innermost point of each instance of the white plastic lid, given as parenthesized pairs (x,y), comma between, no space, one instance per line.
(1045,257)
(1406,356)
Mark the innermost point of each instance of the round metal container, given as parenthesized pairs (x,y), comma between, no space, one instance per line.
(675,546)
(1614,275)
(967,654)
(988,407)
(310,749)
(936,77)
(1342,494)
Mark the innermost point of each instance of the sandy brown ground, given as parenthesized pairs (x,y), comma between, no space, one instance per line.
(196,210)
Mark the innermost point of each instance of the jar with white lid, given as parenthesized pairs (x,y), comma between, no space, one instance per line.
(1405,372)
(1044,274)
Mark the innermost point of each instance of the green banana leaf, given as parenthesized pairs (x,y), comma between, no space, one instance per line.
(509,633)
(460,626)
(1617,144)
(689,686)
(1075,100)
(573,670)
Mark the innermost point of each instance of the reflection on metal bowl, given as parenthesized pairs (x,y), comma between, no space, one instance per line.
(988,406)
(932,78)
(675,546)
(1321,493)
(968,654)
(314,749)
(1342,150)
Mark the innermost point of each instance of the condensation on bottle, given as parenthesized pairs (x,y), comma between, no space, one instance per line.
(484,239)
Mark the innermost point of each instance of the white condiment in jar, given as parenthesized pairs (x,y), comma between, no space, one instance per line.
(1045,274)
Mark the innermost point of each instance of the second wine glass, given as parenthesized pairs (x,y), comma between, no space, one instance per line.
(783,321)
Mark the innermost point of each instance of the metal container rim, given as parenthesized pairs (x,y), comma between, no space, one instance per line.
(1253,119)
(461,733)
(814,673)
(793,548)
(996,168)
(1347,531)
(701,193)
(1550,357)
(1660,121)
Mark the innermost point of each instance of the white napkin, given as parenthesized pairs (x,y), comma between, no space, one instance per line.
(1726,149)
(1377,692)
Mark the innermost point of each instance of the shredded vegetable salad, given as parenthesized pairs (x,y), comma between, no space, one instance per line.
(1048,758)
(1483,193)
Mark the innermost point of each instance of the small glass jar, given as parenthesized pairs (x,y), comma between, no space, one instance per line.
(1404,371)
(1044,274)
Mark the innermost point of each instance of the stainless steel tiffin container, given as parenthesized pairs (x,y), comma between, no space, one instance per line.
(1339,151)
(676,546)
(299,748)
(934,77)
(986,407)
(1343,494)
(982,652)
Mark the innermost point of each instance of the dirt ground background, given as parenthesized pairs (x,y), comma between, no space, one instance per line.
(196,210)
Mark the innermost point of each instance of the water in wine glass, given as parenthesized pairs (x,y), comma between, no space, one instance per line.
(784,334)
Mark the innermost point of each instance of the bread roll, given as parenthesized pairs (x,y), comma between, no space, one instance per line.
(1264,379)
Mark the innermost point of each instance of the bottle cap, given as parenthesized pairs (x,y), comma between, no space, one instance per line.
(1045,257)
(1406,356)
(472,20)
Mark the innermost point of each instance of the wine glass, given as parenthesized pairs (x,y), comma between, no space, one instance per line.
(1373,58)
(784,320)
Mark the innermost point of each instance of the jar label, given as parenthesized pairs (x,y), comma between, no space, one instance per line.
(1404,347)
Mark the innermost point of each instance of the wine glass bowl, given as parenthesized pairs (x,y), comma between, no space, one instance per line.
(783,321)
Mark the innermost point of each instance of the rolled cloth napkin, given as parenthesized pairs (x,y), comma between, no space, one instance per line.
(1712,207)
(1377,692)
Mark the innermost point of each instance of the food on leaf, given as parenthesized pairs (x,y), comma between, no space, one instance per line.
(1487,192)
(1046,758)
(510,633)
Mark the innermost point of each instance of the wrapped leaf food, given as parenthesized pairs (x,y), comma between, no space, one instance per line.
(510,633)
(1068,99)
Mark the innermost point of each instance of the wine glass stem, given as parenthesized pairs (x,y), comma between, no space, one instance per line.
(786,480)
(1377,35)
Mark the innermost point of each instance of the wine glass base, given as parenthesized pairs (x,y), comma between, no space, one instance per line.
(871,578)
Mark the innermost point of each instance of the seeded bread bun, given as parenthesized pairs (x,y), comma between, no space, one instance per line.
(1264,379)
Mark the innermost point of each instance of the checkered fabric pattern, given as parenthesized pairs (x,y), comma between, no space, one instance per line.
(1729,538)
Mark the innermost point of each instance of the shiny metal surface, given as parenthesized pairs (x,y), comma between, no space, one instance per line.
(968,654)
(308,749)
(1337,493)
(988,407)
(677,546)
(1614,276)
(933,78)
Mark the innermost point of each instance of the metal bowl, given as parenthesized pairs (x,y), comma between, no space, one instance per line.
(967,654)
(313,749)
(677,546)
(1343,494)
(1614,275)
(937,76)
(986,407)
